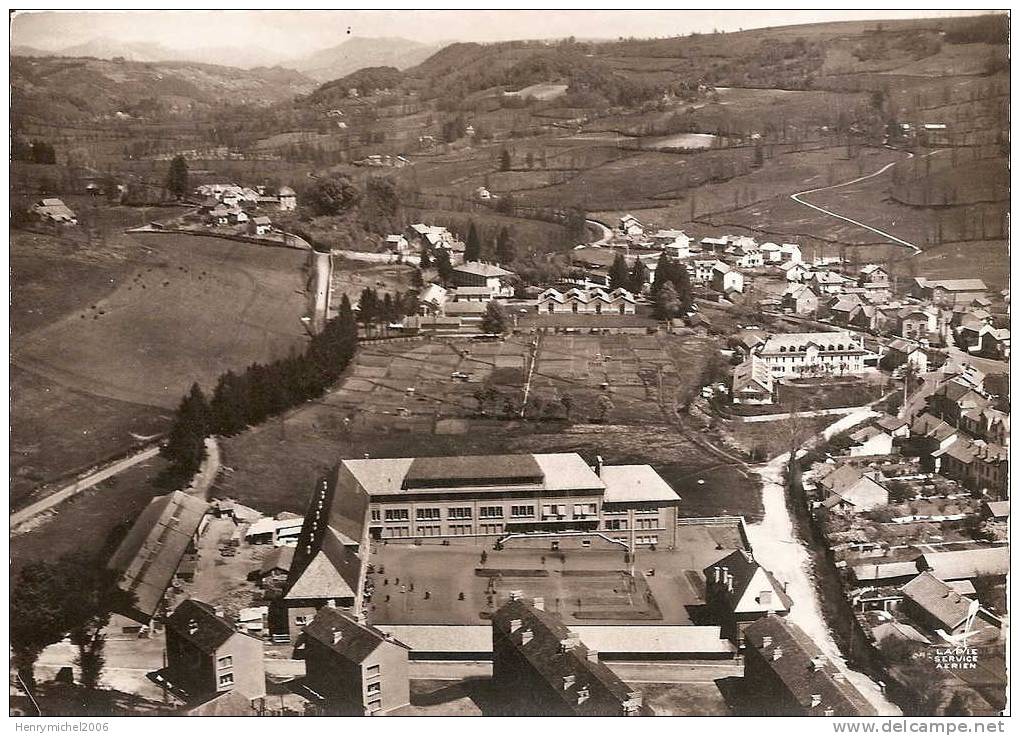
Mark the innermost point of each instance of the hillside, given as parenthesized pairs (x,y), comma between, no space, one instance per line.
(61,89)
(357,53)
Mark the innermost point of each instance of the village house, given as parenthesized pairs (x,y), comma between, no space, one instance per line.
(812,353)
(630,225)
(287,199)
(219,216)
(474,294)
(752,383)
(543,668)
(786,674)
(148,557)
(279,531)
(976,465)
(843,309)
(432,300)
(275,568)
(937,607)
(237,216)
(826,282)
(354,668)
(901,352)
(849,490)
(794,271)
(260,225)
(800,299)
(476,273)
(53,210)
(714,245)
(790,253)
(586,301)
(206,656)
(870,441)
(701,273)
(397,244)
(726,280)
(745,256)
(948,292)
(865,317)
(930,438)
(739,591)
(772,253)
(675,243)
(896,427)
(984,340)
(916,323)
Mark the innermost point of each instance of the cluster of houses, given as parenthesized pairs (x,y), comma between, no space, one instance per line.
(230,205)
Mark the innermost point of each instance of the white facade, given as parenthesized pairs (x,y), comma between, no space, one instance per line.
(812,353)
(581,301)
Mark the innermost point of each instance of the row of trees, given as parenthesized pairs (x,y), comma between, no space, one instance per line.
(36,152)
(672,292)
(375,310)
(261,391)
(493,402)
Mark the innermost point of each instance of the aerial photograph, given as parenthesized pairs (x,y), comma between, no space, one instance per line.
(509,363)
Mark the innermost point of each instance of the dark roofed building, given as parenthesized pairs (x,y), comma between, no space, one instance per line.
(356,669)
(786,674)
(472,470)
(543,668)
(148,557)
(739,591)
(935,605)
(206,656)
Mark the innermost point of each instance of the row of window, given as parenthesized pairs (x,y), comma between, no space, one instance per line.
(580,510)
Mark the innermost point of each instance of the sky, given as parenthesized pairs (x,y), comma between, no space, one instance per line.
(291,33)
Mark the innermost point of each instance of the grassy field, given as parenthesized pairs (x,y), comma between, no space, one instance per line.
(200,306)
(350,277)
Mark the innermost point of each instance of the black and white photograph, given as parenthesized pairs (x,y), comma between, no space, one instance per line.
(509,362)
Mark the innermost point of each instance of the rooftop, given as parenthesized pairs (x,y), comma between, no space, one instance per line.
(345,636)
(968,563)
(634,484)
(939,600)
(197,623)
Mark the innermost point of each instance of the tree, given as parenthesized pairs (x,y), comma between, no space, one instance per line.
(638,277)
(663,272)
(603,407)
(473,244)
(333,195)
(426,259)
(368,307)
(177,177)
(505,162)
(381,209)
(619,275)
(443,266)
(506,247)
(494,321)
(185,444)
(567,402)
(667,304)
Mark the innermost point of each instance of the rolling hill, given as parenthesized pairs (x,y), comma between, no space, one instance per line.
(357,53)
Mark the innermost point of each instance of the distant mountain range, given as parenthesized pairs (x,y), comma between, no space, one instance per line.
(323,65)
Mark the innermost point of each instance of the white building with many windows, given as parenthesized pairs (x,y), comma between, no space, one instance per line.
(812,353)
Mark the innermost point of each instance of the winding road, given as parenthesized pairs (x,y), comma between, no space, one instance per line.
(899,241)
(607,233)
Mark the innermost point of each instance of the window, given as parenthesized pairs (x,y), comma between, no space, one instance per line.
(616,525)
(460,530)
(374,705)
(557,510)
(584,509)
(598,308)
(573,307)
(490,512)
(376,515)
(492,528)
(522,511)
(224,662)
(227,679)
(550,307)
(372,671)
(397,515)
(301,620)
(398,531)
(429,530)
(374,687)
(432,513)
(459,512)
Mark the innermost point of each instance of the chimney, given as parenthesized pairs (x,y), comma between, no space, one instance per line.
(583,694)
(816,700)
(570,642)
(516,595)
(538,603)
(777,654)
(766,642)
(515,624)
(526,636)
(337,636)
(598,465)
(718,573)
(192,626)
(568,681)
(593,655)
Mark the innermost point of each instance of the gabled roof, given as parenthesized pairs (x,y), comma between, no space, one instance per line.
(804,670)
(553,662)
(280,558)
(197,623)
(333,572)
(749,581)
(938,600)
(890,423)
(345,636)
(228,703)
(752,374)
(149,555)
(998,509)
(477,268)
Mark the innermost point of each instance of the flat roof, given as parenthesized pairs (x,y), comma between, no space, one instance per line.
(635,483)
(430,472)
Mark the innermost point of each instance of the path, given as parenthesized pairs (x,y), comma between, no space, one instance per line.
(797,198)
(607,233)
(18,518)
(777,547)
(323,279)
(200,485)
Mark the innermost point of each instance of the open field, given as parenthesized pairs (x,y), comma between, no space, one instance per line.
(201,306)
(350,277)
